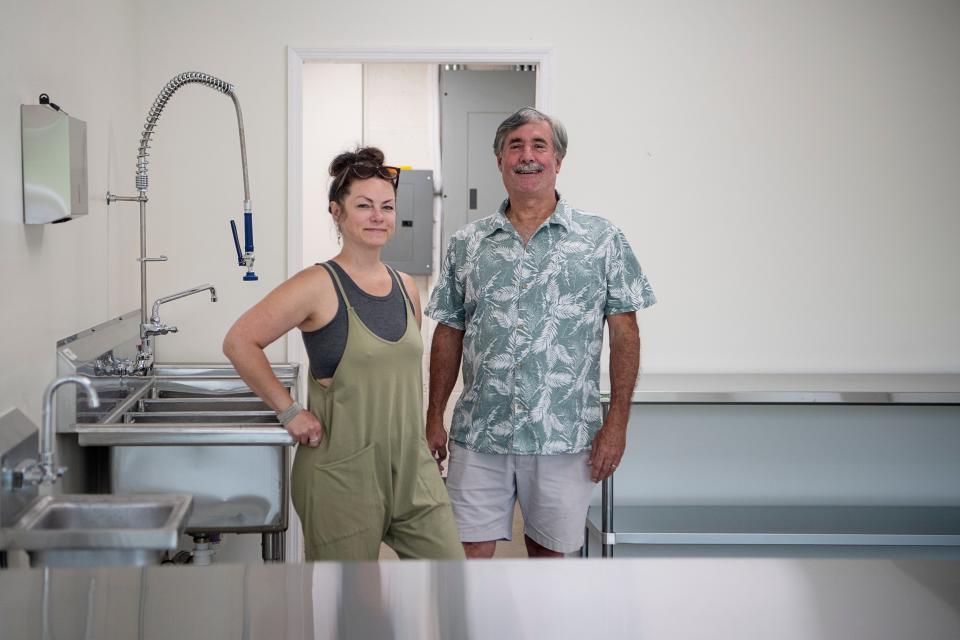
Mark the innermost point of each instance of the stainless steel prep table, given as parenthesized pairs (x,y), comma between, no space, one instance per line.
(650,598)
(872,524)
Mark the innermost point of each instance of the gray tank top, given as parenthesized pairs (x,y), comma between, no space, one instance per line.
(385,316)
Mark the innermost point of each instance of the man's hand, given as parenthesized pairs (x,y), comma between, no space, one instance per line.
(437,441)
(445,352)
(306,429)
(607,449)
(611,440)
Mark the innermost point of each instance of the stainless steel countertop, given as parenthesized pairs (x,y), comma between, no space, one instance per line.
(650,598)
(777,388)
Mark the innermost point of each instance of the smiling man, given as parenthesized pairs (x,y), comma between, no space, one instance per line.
(522,297)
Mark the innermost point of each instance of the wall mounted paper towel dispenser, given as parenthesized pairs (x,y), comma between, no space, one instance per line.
(54,148)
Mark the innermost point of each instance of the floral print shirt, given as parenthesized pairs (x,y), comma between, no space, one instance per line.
(533,321)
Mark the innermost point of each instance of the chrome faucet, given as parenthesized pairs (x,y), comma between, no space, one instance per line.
(157,327)
(245,259)
(47,471)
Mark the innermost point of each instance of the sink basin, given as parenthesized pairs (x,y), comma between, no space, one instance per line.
(203,404)
(199,429)
(95,530)
(202,410)
(192,405)
(228,455)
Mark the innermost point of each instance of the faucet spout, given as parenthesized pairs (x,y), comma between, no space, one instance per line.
(155,316)
(46,471)
(156,327)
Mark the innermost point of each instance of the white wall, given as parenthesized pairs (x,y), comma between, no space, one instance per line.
(332,123)
(784,170)
(59,279)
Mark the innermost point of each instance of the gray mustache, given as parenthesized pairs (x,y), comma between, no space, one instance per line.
(528,167)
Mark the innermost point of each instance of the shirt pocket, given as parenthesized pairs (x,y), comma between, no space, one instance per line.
(336,500)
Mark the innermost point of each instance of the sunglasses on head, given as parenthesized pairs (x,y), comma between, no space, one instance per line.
(364,170)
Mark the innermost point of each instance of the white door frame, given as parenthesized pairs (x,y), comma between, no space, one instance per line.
(296,58)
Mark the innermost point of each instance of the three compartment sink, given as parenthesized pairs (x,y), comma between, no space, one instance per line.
(191,405)
(199,429)
(96,530)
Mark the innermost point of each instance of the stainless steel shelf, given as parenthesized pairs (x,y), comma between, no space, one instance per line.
(780,525)
(775,388)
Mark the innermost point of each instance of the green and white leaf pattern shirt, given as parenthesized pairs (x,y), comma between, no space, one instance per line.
(533,327)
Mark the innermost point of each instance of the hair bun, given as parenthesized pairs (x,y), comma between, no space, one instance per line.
(370,155)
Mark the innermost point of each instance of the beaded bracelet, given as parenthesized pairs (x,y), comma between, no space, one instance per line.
(287,415)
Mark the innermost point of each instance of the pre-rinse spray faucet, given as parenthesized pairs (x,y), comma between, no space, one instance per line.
(245,258)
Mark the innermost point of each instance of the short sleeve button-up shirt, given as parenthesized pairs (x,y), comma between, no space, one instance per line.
(533,321)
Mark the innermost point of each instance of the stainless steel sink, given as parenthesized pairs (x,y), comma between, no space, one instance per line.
(199,429)
(203,404)
(96,530)
(224,451)
(243,410)
(191,405)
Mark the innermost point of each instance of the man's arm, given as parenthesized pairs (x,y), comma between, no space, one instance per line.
(611,440)
(445,353)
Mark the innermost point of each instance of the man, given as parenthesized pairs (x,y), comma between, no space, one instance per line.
(523,295)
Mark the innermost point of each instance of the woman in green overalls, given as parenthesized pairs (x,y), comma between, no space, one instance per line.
(362,473)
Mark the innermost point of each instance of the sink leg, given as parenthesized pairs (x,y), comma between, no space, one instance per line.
(273,547)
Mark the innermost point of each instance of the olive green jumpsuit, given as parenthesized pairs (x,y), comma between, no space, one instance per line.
(372,478)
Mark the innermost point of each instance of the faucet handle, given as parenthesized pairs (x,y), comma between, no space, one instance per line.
(31,472)
(158,328)
(27,472)
(245,257)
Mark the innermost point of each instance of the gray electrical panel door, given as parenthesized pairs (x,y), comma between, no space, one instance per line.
(473,104)
(411,246)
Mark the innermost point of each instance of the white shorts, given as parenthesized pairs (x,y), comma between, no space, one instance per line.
(554,493)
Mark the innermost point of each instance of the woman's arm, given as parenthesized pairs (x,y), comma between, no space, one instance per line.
(298,302)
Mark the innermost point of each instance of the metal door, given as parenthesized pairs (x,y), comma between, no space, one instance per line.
(472,104)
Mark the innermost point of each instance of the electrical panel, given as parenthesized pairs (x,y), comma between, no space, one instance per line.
(411,247)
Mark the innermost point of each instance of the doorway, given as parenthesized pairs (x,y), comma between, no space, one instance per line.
(373,111)
(474,101)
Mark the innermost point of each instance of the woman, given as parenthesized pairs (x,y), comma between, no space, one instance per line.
(362,472)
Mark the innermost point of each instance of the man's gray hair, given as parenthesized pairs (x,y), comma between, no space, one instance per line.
(523,116)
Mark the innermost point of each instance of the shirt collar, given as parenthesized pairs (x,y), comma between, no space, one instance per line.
(561,215)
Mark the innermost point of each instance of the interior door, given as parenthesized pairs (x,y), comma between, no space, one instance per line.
(472,104)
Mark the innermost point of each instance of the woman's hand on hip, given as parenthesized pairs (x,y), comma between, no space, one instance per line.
(306,429)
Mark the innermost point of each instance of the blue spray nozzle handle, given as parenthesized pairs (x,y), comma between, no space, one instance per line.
(236,243)
(248,231)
